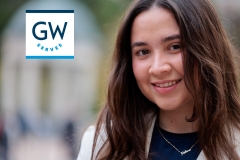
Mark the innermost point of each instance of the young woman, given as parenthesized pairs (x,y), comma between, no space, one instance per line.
(173,91)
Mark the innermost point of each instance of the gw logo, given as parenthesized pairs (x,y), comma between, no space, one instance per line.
(53,33)
(49,34)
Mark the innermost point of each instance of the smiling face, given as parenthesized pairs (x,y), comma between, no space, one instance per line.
(157,59)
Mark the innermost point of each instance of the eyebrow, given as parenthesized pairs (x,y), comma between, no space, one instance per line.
(136,44)
(170,38)
(166,39)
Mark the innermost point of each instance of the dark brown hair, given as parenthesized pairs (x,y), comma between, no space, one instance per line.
(210,76)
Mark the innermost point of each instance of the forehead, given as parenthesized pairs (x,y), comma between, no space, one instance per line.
(155,22)
(156,13)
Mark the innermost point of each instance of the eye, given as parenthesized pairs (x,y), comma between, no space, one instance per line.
(175,47)
(143,52)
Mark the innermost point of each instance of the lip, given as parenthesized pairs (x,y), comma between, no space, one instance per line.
(166,89)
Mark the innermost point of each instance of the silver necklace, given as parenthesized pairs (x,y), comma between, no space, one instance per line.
(183,152)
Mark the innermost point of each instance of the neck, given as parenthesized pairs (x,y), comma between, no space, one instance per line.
(175,121)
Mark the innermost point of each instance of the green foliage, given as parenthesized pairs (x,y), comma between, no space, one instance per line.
(7,8)
(107,11)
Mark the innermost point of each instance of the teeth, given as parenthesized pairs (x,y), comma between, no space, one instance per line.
(168,84)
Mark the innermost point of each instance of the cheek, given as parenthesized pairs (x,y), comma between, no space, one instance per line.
(179,65)
(135,69)
(181,70)
(140,71)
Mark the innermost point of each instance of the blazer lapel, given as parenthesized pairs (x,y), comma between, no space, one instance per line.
(149,135)
(201,156)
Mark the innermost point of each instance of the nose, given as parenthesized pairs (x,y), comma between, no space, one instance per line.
(160,65)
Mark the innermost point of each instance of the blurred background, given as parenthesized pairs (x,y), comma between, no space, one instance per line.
(45,105)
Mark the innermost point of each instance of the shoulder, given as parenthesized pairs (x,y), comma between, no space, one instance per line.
(86,144)
(236,135)
(237,141)
(85,152)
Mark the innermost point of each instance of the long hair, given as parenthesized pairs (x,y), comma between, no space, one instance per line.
(209,75)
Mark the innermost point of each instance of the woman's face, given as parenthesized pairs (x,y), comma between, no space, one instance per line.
(157,59)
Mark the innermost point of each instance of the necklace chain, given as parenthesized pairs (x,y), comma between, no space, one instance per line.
(183,152)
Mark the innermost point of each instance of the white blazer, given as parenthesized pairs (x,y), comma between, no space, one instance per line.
(87,142)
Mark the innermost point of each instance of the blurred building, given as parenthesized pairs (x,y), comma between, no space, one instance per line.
(45,96)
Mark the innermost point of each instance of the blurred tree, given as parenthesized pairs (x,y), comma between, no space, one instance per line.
(7,8)
(105,11)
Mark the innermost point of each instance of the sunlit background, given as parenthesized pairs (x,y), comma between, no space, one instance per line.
(45,105)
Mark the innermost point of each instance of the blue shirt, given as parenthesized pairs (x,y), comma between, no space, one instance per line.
(161,150)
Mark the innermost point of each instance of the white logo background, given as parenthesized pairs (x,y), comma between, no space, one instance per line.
(36,49)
